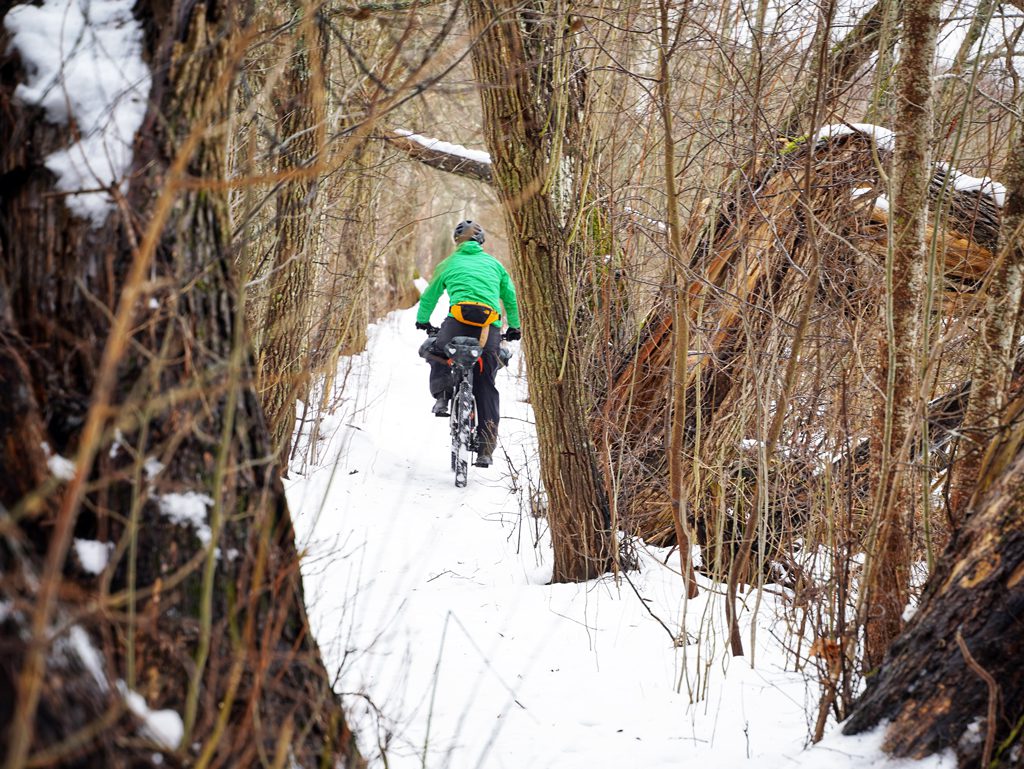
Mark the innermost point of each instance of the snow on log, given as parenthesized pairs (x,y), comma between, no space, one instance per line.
(884,137)
(849,194)
(442,155)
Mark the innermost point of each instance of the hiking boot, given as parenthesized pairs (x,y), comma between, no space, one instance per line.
(440,408)
(485,444)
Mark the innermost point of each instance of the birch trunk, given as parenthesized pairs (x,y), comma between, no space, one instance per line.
(899,403)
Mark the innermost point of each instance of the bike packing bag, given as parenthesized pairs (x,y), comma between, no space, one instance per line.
(474,313)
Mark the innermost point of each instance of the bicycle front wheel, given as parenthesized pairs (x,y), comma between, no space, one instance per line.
(462,427)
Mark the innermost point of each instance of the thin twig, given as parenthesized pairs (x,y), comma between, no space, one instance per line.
(993,698)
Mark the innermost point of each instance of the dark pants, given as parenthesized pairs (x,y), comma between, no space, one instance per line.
(486,394)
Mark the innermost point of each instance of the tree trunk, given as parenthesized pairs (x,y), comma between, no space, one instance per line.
(681,318)
(953,679)
(532,105)
(899,387)
(123,347)
(284,354)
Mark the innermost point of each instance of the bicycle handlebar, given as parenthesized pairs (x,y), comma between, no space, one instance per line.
(433,331)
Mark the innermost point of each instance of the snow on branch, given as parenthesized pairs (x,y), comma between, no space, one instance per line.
(442,155)
(884,137)
(637,219)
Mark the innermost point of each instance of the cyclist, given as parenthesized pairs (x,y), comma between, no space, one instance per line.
(475,281)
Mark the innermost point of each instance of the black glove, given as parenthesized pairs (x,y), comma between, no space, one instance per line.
(431,330)
(513,334)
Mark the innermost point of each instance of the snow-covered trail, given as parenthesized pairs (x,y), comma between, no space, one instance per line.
(430,603)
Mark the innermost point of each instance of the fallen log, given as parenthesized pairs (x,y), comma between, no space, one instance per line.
(746,274)
(444,156)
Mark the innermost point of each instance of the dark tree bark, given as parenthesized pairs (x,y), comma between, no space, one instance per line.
(532,97)
(953,678)
(122,346)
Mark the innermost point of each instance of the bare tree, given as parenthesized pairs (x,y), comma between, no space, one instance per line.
(681,318)
(953,678)
(996,349)
(898,403)
(533,98)
(123,347)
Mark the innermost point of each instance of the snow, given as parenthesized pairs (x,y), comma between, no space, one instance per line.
(967,183)
(432,603)
(162,726)
(77,641)
(995,37)
(838,751)
(83,64)
(115,447)
(881,201)
(152,467)
(61,467)
(92,555)
(884,138)
(437,145)
(188,509)
(659,225)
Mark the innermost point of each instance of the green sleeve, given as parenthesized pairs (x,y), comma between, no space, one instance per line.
(428,299)
(508,298)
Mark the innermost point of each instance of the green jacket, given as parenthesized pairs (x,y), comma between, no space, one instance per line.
(471,275)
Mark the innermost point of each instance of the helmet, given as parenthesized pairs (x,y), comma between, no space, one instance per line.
(468,230)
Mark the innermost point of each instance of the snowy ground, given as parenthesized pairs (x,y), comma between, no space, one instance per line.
(430,603)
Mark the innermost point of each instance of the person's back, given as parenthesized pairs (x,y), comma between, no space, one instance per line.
(477,284)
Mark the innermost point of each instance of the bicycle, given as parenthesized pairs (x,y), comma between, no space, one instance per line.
(464,355)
